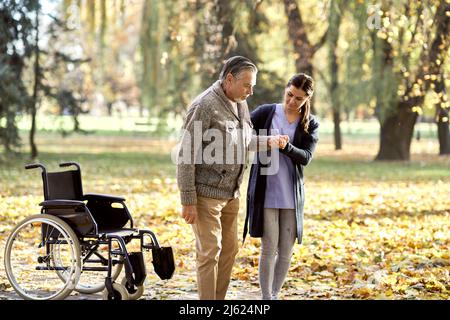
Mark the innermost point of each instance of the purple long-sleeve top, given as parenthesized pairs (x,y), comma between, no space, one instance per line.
(280,186)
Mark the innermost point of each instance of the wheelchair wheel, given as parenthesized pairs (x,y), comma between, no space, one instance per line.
(91,281)
(29,258)
(120,293)
(134,292)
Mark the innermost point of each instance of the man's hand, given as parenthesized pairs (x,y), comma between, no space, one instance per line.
(278,141)
(189,213)
(274,141)
(283,141)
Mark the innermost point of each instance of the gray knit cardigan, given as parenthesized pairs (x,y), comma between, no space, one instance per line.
(206,167)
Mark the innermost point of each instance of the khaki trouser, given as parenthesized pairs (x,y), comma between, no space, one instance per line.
(216,244)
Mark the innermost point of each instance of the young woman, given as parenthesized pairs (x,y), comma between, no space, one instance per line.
(275,201)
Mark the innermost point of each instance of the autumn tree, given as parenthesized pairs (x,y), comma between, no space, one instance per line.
(399,104)
(16,46)
(55,71)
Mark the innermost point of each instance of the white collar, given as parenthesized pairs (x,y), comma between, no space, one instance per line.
(232,102)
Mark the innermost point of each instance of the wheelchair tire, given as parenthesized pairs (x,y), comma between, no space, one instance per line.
(134,293)
(31,239)
(120,293)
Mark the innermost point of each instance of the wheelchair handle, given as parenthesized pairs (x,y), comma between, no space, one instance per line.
(35,165)
(68,164)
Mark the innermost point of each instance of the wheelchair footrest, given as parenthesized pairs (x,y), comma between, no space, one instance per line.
(139,272)
(163,262)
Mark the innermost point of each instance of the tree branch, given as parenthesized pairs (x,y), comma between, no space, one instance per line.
(327,83)
(322,41)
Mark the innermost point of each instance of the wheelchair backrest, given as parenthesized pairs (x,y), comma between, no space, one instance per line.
(66,185)
(62,185)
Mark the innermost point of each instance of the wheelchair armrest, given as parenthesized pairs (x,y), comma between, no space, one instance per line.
(62,203)
(104,197)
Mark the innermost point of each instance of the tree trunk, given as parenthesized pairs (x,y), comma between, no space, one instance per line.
(396,132)
(333,37)
(304,50)
(337,130)
(91,16)
(220,39)
(33,147)
(103,27)
(224,14)
(76,124)
(442,117)
(437,58)
(394,143)
(34,102)
(443,132)
(151,44)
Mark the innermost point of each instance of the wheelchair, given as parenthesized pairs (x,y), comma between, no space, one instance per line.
(79,242)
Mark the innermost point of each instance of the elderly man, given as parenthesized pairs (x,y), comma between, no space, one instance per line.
(209,181)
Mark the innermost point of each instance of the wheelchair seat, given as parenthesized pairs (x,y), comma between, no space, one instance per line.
(124,232)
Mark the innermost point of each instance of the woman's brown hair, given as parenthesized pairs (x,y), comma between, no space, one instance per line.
(306,83)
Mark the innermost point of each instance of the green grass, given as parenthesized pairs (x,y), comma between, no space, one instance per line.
(333,168)
(105,125)
(371,129)
(129,126)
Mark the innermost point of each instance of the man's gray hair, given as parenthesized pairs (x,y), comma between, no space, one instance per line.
(236,65)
